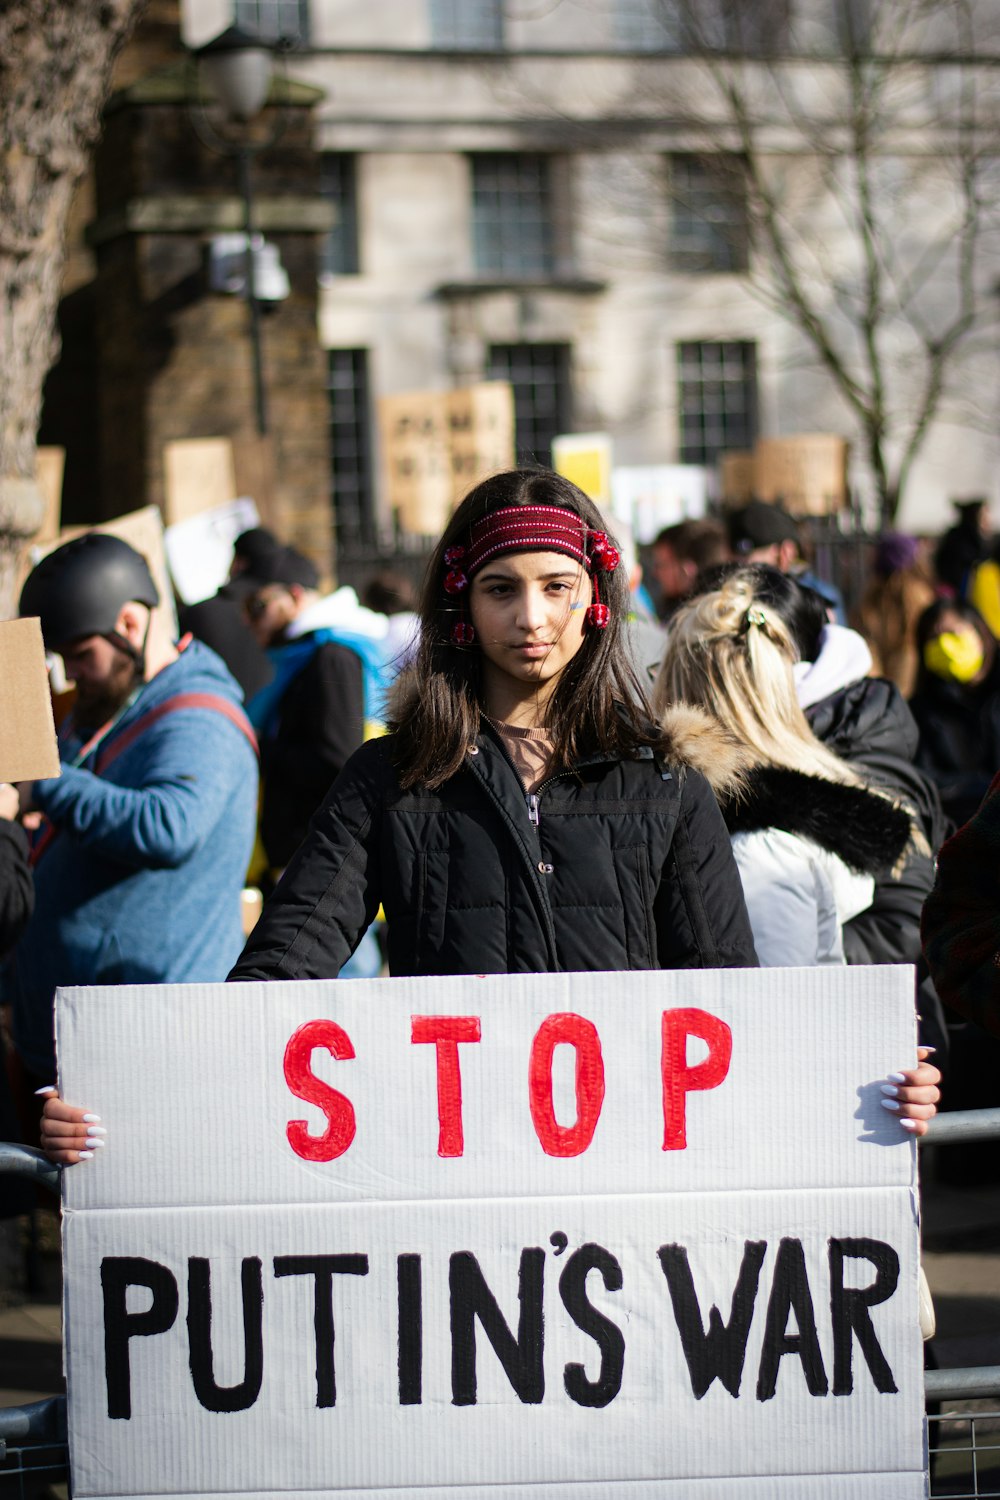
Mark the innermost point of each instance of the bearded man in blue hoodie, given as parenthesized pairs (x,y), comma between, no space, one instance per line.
(147,833)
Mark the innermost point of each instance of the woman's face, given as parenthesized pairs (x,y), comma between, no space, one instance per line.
(529,612)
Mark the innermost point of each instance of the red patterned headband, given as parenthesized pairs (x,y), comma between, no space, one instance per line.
(529,528)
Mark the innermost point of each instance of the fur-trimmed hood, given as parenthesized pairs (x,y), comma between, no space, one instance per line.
(869,832)
(692,737)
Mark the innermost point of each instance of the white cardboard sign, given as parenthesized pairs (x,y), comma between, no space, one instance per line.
(580,1235)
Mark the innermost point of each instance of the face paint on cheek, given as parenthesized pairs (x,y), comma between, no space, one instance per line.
(579,605)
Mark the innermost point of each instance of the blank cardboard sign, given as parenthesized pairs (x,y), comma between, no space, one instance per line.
(28,749)
(577,1236)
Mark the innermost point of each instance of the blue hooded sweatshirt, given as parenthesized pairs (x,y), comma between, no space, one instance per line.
(140,883)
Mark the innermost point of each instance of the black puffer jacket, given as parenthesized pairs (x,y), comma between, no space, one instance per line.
(869,725)
(628,867)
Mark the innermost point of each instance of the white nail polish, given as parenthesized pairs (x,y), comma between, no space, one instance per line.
(94,1140)
(889,1104)
(927,1051)
(95,1119)
(887,1088)
(908,1124)
(100,1129)
(892,1077)
(85,1155)
(48,1089)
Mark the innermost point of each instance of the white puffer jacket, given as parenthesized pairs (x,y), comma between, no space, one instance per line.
(799,896)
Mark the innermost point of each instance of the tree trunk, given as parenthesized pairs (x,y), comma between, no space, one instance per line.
(56,58)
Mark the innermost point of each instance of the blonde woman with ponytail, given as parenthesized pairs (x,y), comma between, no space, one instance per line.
(809,834)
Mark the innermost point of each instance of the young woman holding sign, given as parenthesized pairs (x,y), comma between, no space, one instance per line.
(525,814)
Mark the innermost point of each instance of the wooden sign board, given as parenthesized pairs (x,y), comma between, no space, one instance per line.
(200,474)
(28,747)
(805,474)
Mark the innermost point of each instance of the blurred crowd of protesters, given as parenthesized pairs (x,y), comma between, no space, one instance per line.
(827,763)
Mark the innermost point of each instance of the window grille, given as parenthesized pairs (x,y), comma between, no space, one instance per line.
(512,231)
(717,399)
(539,375)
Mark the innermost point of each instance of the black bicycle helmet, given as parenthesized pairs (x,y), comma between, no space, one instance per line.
(79,589)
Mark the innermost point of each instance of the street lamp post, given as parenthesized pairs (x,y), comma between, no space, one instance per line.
(237,69)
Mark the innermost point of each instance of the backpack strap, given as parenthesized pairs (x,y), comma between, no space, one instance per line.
(212,701)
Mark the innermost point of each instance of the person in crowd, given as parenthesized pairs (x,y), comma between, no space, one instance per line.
(220,623)
(898,592)
(644,635)
(140,860)
(763,533)
(680,552)
(961,921)
(810,834)
(524,814)
(956,704)
(984,589)
(328,658)
(963,546)
(392,594)
(17,891)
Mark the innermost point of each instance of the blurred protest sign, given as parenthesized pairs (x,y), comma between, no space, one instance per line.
(437,444)
(657,496)
(585,460)
(807,474)
(486,1236)
(200,548)
(50,464)
(199,475)
(28,747)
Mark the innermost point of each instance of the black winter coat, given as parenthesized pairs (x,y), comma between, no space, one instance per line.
(320,724)
(959,738)
(869,724)
(628,866)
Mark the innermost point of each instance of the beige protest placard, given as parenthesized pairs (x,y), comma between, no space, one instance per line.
(50,464)
(200,474)
(481,433)
(438,444)
(415,442)
(27,733)
(806,474)
(737,478)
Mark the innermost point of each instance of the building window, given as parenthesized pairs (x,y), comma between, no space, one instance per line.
(274,20)
(475,25)
(512,230)
(717,398)
(737,26)
(338,184)
(709,229)
(539,374)
(351,447)
(647,26)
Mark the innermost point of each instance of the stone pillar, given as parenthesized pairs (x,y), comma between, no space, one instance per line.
(175,358)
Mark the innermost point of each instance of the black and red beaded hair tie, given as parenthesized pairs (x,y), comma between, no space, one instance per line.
(529,528)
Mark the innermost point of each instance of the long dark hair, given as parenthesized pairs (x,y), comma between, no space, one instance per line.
(598,704)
